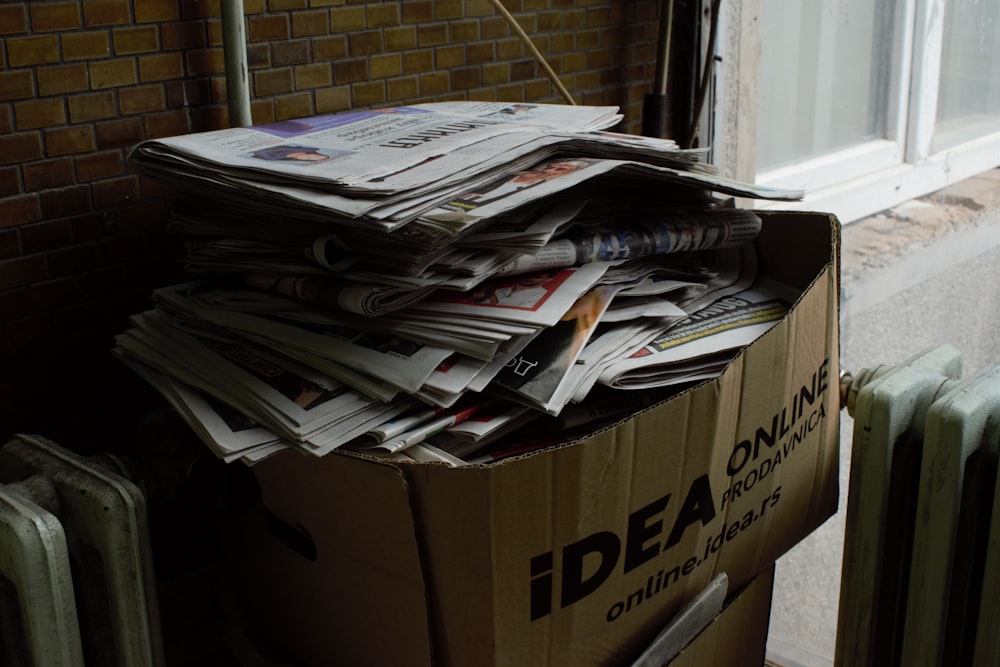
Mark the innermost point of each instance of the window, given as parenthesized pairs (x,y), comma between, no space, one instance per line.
(863,103)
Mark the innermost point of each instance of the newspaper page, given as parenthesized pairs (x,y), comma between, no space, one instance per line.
(359,147)
(537,299)
(538,373)
(368,300)
(727,324)
(228,433)
(720,228)
(395,360)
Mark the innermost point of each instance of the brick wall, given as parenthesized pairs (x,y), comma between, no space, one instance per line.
(82,238)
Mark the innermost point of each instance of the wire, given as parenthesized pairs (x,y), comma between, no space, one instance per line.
(531,47)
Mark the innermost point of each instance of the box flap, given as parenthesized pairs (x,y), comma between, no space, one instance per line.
(353,517)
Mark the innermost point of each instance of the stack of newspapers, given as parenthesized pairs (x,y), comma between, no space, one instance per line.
(457,282)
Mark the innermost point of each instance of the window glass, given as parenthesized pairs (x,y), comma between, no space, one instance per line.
(824,72)
(969,87)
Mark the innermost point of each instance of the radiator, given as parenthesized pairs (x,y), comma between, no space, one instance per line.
(77,585)
(920,581)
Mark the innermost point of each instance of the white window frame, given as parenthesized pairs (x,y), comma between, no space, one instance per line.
(864,179)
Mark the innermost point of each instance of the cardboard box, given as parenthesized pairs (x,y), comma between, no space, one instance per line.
(577,554)
(737,636)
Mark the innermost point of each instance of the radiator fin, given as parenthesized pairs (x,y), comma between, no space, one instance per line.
(919,579)
(97,562)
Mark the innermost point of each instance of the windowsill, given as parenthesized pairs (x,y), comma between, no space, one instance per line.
(897,248)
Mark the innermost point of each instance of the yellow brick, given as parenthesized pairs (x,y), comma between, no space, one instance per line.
(167,124)
(365,42)
(12,19)
(316,75)
(549,21)
(381,16)
(128,41)
(106,12)
(573,19)
(432,35)
(69,140)
(539,89)
(262,111)
(182,35)
(95,166)
(464,78)
(141,99)
(402,89)
(205,61)
(400,39)
(112,73)
(483,95)
(493,27)
(295,52)
(383,67)
(329,100)
(329,48)
(512,92)
(418,62)
(495,74)
(16,85)
(285,5)
(47,17)
(368,94)
(587,39)
(17,211)
(347,19)
(115,192)
(33,114)
(95,106)
(561,42)
(480,8)
(509,49)
(598,17)
(433,83)
(448,9)
(480,53)
(418,11)
(22,51)
(587,80)
(265,28)
(272,82)
(350,71)
(298,105)
(310,23)
(85,45)
(446,57)
(160,67)
(599,59)
(464,31)
(150,11)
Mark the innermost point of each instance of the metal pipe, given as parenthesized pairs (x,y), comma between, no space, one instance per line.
(654,109)
(234,47)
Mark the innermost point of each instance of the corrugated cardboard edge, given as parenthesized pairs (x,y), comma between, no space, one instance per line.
(362,522)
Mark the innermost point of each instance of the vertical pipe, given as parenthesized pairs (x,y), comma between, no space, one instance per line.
(235,51)
(654,110)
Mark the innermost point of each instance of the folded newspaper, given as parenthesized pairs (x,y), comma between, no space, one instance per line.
(434,282)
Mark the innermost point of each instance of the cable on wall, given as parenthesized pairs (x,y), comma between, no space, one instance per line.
(534,51)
